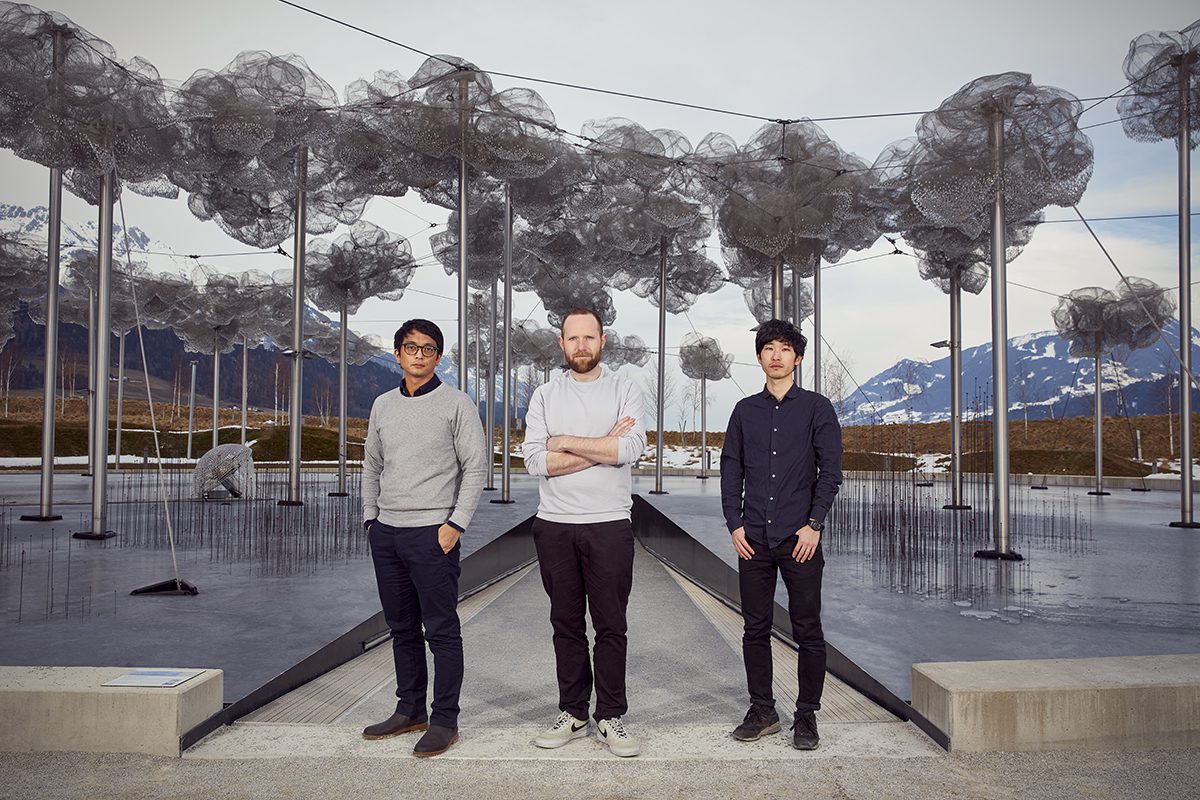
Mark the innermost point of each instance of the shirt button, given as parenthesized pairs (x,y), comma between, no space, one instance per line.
(770,498)
(774,453)
(776,430)
(768,520)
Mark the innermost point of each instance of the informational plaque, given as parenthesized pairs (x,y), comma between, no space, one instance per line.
(162,678)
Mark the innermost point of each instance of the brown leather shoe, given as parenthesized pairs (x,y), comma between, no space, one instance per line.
(395,725)
(436,741)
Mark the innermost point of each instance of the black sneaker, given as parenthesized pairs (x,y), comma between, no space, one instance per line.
(758,723)
(395,725)
(804,731)
(436,741)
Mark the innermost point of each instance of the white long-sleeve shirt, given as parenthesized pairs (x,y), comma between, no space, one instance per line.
(567,407)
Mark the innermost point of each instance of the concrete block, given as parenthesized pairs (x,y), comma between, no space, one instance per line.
(1063,704)
(68,708)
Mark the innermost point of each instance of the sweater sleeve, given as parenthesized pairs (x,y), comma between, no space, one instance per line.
(372,467)
(470,448)
(533,450)
(632,445)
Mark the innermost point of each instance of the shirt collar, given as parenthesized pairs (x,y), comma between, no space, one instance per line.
(790,394)
(425,389)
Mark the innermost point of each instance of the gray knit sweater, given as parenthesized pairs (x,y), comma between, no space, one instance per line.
(424,460)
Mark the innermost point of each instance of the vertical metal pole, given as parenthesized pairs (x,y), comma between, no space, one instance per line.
(245,381)
(777,289)
(798,376)
(478,381)
(102,356)
(1186,488)
(956,444)
(1098,431)
(53,242)
(490,404)
(91,395)
(660,405)
(506,392)
(120,398)
(816,339)
(1000,465)
(216,393)
(463,287)
(343,400)
(191,410)
(296,415)
(703,428)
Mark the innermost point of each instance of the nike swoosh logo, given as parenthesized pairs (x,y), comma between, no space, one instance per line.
(576,728)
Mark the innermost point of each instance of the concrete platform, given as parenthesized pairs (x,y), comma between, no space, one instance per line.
(69,709)
(686,686)
(1095,704)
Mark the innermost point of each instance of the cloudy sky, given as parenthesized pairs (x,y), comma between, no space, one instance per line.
(774,59)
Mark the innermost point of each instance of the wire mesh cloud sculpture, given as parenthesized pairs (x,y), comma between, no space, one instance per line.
(1159,66)
(364,262)
(702,357)
(1096,321)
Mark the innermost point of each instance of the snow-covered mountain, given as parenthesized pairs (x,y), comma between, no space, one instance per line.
(1043,382)
(30,224)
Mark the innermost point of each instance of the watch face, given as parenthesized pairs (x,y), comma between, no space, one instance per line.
(816,526)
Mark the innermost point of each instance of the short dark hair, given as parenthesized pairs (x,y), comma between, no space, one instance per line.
(421,326)
(778,330)
(581,311)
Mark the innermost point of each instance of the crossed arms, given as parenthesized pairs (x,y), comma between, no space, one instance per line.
(551,456)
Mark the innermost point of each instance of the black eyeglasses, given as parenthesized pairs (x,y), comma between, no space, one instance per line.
(428,350)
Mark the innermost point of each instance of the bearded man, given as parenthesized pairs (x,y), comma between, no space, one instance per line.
(582,434)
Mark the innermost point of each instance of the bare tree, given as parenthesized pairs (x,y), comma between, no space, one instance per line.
(323,398)
(670,392)
(9,361)
(836,383)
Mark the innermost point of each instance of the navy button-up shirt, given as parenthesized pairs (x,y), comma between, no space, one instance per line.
(781,464)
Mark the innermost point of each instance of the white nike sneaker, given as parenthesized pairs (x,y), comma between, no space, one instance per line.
(564,729)
(620,741)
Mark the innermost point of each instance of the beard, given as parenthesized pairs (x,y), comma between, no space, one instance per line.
(583,363)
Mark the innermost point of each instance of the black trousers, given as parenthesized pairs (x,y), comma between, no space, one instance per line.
(418,587)
(588,566)
(756,580)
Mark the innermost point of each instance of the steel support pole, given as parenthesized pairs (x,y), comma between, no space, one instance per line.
(463,287)
(777,289)
(478,381)
(53,242)
(1098,431)
(816,339)
(703,428)
(245,381)
(91,395)
(343,400)
(956,406)
(798,375)
(216,394)
(660,406)
(102,355)
(1186,487)
(1000,465)
(191,410)
(296,411)
(120,399)
(490,403)
(506,392)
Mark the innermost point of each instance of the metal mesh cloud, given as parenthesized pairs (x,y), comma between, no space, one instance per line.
(702,357)
(794,195)
(91,113)
(1159,66)
(365,262)
(1096,320)
(1047,160)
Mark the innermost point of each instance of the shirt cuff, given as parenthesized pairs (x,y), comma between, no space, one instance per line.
(817,514)
(733,526)
(456,526)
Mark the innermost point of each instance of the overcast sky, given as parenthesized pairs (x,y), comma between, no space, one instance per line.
(775,59)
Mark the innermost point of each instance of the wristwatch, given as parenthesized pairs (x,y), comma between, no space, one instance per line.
(816,526)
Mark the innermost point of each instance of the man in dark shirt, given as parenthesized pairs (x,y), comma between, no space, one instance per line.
(780,471)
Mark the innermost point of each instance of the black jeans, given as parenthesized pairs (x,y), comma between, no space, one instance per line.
(756,580)
(418,586)
(587,566)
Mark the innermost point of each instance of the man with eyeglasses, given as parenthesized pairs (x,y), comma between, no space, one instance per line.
(582,434)
(423,472)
